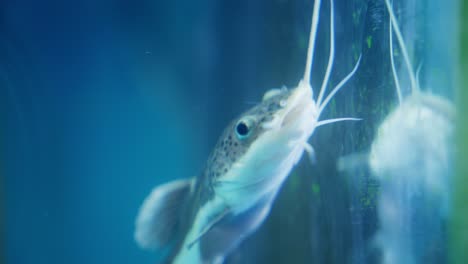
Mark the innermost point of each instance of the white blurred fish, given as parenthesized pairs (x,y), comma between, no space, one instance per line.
(411,158)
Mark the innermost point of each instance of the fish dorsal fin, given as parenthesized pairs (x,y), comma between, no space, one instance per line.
(158,218)
(270,93)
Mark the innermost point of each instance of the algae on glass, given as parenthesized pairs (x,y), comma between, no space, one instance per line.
(459,223)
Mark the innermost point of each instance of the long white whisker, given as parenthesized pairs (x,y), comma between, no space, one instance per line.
(339,86)
(334,120)
(312,36)
(392,62)
(418,71)
(331,57)
(414,88)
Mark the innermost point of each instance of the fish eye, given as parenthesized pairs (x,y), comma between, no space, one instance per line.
(244,127)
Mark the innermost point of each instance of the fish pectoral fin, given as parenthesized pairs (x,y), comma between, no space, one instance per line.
(158,219)
(228,232)
(310,153)
(209,225)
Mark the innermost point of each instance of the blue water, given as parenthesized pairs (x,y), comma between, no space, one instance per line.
(89,128)
(106,99)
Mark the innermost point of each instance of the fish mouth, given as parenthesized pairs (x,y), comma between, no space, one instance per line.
(300,105)
(299,110)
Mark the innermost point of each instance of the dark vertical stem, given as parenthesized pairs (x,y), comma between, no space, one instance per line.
(459,230)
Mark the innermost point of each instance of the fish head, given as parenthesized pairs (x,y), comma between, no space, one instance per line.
(258,149)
